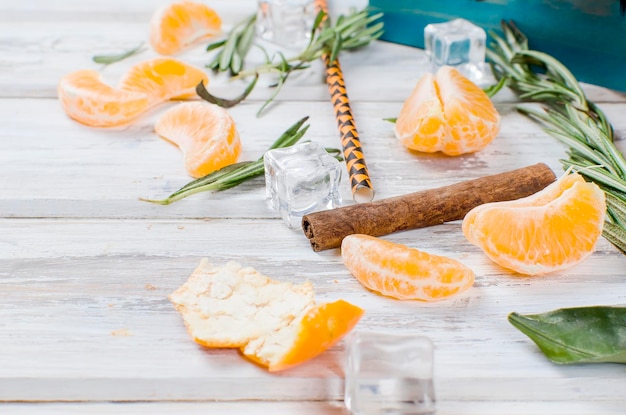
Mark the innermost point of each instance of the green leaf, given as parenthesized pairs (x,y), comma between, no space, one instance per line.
(109,59)
(391,120)
(336,47)
(223,102)
(577,335)
(215,45)
(494,89)
(352,30)
(616,235)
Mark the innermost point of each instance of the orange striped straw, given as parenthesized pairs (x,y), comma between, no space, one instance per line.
(362,190)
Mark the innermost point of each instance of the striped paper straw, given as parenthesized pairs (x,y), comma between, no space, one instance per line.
(361,185)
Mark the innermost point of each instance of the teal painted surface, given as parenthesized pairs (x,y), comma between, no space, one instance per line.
(588,36)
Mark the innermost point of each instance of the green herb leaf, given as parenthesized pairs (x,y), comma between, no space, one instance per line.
(577,335)
(109,59)
(391,120)
(567,115)
(234,49)
(494,89)
(215,45)
(223,102)
(353,30)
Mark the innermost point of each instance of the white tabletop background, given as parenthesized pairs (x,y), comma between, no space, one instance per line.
(86,268)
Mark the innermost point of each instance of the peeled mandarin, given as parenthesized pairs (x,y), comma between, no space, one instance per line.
(553,229)
(205,133)
(447,113)
(404,273)
(163,79)
(87,99)
(180,25)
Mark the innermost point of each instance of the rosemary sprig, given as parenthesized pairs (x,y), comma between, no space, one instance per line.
(235,174)
(235,48)
(109,59)
(350,31)
(568,116)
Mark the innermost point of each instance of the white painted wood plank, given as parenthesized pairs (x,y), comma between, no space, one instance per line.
(86,315)
(33,43)
(65,169)
(311,408)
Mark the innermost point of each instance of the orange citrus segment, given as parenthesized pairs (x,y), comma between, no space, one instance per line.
(397,271)
(182,24)
(321,327)
(87,99)
(449,113)
(276,324)
(422,116)
(554,229)
(204,132)
(163,79)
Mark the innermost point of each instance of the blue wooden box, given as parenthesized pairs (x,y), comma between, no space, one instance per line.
(588,36)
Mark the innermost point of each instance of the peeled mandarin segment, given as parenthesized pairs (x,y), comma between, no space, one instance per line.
(421,124)
(319,329)
(180,25)
(404,273)
(472,119)
(85,98)
(551,230)
(231,305)
(163,79)
(449,113)
(205,133)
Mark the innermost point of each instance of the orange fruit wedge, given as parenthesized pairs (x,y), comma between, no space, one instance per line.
(404,273)
(182,24)
(205,133)
(447,112)
(163,79)
(87,99)
(275,324)
(554,229)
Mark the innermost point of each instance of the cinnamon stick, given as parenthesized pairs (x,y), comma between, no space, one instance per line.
(326,229)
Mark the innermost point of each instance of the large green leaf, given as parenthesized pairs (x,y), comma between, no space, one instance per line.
(577,335)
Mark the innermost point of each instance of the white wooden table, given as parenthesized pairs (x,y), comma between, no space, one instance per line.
(85,267)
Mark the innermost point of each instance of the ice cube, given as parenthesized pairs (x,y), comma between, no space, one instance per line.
(458,43)
(389,373)
(301,179)
(286,23)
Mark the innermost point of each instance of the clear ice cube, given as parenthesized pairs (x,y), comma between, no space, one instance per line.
(389,374)
(285,23)
(458,43)
(301,179)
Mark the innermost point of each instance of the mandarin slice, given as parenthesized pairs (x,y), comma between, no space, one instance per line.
(87,99)
(554,229)
(163,79)
(404,273)
(448,113)
(180,25)
(275,324)
(205,133)
(422,117)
